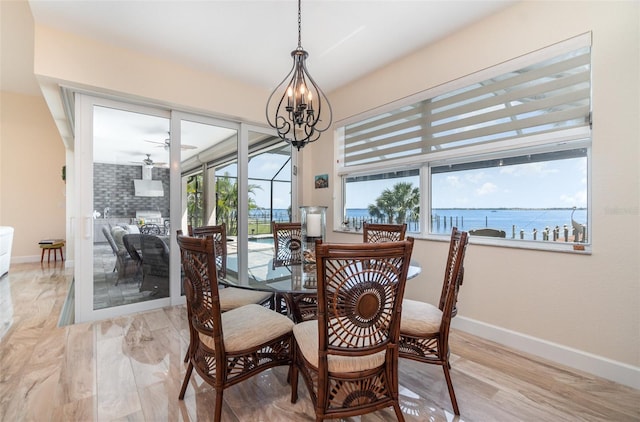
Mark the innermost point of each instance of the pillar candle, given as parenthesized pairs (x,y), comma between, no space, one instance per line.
(314,228)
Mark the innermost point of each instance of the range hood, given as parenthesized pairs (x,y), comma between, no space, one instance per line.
(146,186)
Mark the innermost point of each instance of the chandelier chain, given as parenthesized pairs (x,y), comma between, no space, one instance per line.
(299,24)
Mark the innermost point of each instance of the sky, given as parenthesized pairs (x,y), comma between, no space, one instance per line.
(550,184)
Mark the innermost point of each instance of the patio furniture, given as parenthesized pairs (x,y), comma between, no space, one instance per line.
(378,233)
(125,266)
(348,358)
(287,243)
(229,297)
(133,246)
(424,328)
(153,229)
(232,349)
(155,265)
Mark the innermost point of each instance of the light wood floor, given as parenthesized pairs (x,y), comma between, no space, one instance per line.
(130,369)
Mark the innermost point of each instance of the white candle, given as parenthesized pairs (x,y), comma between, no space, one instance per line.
(314,228)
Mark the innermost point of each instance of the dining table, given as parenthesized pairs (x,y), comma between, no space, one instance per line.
(295,289)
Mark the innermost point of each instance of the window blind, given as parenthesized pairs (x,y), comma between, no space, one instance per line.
(549,96)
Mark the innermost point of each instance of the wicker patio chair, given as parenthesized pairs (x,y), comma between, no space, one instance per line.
(287,244)
(348,358)
(228,350)
(230,297)
(378,233)
(424,328)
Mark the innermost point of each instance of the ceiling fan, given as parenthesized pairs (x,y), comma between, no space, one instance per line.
(149,163)
(167,143)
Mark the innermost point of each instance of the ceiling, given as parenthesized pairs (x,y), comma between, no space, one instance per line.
(248,40)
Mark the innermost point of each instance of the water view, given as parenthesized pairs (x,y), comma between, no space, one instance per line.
(512,221)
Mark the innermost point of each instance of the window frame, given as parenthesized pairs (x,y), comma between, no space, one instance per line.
(565,139)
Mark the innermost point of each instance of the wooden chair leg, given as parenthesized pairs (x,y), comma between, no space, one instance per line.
(399,415)
(294,382)
(187,376)
(452,394)
(218,410)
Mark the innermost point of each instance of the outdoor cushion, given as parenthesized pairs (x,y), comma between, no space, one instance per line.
(117,233)
(248,326)
(419,318)
(306,335)
(231,297)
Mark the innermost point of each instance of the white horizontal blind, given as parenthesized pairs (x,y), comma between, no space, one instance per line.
(549,96)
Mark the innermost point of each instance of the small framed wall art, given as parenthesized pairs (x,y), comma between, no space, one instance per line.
(322,181)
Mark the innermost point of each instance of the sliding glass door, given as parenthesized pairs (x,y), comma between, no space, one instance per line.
(123,191)
(142,173)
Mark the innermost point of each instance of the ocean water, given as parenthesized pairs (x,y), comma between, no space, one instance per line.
(510,220)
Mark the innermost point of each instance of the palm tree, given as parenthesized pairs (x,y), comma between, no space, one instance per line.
(194,201)
(396,203)
(227,201)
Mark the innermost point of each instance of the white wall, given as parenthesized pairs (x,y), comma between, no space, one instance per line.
(576,309)
(32,192)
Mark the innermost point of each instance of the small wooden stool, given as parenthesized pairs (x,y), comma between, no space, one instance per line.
(57,246)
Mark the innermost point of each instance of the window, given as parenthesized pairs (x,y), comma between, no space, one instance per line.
(503,153)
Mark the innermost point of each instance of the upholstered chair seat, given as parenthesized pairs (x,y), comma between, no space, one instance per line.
(306,334)
(419,318)
(244,328)
(231,297)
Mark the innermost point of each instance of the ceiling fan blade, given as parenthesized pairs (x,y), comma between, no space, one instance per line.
(188,147)
(160,144)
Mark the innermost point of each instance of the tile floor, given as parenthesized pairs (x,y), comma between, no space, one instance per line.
(130,369)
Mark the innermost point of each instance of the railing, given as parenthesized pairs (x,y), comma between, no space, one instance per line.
(260,223)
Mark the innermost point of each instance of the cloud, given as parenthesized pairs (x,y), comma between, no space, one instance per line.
(454,181)
(486,189)
(475,177)
(578,199)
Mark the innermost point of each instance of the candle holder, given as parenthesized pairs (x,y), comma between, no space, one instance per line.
(313,221)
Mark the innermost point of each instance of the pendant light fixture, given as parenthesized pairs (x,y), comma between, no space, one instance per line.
(297,108)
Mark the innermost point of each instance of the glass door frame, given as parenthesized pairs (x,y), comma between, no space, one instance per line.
(82,228)
(81,221)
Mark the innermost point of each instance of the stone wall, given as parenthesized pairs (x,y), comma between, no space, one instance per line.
(113,188)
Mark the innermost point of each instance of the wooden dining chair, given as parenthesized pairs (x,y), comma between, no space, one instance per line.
(219,234)
(378,233)
(287,244)
(424,328)
(348,358)
(229,297)
(233,348)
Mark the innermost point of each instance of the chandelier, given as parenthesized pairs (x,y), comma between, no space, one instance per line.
(295,107)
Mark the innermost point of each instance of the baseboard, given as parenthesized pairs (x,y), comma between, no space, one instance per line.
(25,259)
(619,372)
